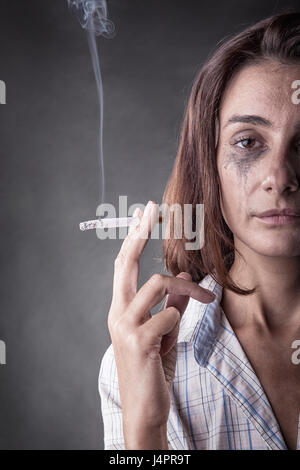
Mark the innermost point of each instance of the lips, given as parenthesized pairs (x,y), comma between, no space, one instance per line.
(277,217)
(279,212)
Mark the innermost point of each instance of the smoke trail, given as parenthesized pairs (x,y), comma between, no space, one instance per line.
(92,15)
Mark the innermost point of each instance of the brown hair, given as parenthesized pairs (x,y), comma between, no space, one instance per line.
(194,178)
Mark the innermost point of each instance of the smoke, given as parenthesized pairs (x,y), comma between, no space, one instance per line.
(93,17)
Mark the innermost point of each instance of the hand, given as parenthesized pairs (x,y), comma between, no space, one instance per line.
(145,345)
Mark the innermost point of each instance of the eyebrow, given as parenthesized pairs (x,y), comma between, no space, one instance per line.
(249,119)
(256,120)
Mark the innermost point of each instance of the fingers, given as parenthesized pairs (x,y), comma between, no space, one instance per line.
(162,323)
(137,214)
(179,301)
(154,290)
(126,269)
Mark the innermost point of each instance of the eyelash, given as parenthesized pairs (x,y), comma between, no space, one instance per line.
(242,139)
(248,137)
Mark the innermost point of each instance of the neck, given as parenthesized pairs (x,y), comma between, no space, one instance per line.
(276,302)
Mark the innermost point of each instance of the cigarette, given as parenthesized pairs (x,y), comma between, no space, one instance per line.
(112,223)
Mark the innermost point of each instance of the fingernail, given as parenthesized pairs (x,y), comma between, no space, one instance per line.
(185,275)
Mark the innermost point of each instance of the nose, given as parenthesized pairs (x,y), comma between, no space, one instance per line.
(281,177)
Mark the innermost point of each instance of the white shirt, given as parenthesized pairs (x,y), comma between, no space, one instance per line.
(217,401)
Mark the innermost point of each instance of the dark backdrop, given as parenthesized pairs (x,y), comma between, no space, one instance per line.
(56,281)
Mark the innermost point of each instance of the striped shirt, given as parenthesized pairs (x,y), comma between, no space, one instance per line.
(217,401)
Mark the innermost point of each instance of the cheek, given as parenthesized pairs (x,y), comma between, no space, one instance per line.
(235,190)
(241,165)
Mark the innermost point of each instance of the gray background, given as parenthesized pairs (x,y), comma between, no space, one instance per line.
(56,281)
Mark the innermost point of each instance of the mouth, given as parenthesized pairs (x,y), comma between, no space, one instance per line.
(284,216)
(279,219)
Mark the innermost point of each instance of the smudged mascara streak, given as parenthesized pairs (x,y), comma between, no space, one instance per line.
(243,163)
(243,158)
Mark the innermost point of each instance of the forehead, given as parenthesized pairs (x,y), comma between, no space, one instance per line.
(265,90)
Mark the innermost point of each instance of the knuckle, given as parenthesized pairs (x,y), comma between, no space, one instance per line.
(120,260)
(133,233)
(120,328)
(135,342)
(156,280)
(123,259)
(116,327)
(141,231)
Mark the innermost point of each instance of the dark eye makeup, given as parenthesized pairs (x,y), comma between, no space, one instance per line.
(247,143)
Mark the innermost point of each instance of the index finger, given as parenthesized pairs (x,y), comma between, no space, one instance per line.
(176,300)
(127,262)
(155,289)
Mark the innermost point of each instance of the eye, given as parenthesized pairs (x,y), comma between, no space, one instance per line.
(247,143)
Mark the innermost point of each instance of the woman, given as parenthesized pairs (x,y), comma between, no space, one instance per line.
(218,372)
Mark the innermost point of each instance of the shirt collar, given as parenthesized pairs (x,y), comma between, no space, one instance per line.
(202,319)
(217,348)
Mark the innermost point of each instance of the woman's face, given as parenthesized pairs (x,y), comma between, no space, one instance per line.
(258,156)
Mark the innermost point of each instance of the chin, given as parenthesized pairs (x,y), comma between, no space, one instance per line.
(269,244)
(276,247)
